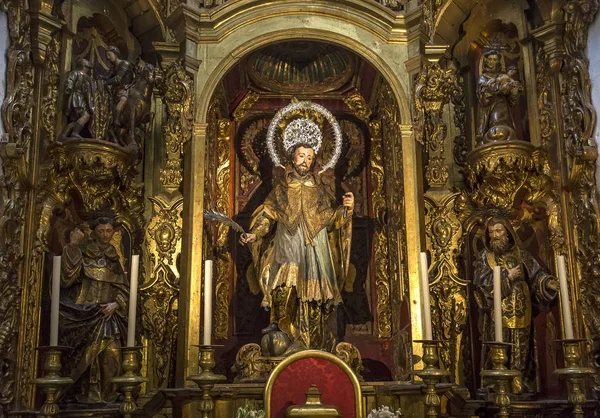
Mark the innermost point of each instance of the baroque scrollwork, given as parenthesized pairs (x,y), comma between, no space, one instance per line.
(358,105)
(245,105)
(382,279)
(461,142)
(432,93)
(387,125)
(223,179)
(448,288)
(17,111)
(431,9)
(176,90)
(160,291)
(545,100)
(50,99)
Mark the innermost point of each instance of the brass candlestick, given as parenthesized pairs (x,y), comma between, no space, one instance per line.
(130,380)
(206,380)
(52,380)
(431,375)
(501,375)
(574,374)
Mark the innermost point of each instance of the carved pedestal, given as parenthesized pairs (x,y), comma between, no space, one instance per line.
(251,366)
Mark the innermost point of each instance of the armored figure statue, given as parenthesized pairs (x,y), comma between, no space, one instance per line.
(291,238)
(79,90)
(121,79)
(526,286)
(497,92)
(93,311)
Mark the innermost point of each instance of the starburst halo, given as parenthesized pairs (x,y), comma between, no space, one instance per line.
(302,131)
(305,131)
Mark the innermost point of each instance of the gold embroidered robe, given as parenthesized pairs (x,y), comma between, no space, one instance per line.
(91,276)
(300,267)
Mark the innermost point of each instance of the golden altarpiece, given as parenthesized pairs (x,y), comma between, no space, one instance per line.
(456,115)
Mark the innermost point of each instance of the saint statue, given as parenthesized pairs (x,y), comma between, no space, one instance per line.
(80,102)
(93,311)
(121,78)
(497,92)
(525,285)
(300,247)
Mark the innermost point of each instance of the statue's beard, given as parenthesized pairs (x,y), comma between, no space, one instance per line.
(301,169)
(499,245)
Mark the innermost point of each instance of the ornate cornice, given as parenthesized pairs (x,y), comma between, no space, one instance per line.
(212,25)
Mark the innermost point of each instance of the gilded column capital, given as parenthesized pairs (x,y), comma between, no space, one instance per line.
(43,26)
(169,52)
(552,38)
(185,21)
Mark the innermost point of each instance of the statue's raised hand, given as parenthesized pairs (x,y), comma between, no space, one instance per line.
(76,236)
(348,200)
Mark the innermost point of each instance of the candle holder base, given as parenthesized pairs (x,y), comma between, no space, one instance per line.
(501,376)
(130,380)
(52,381)
(431,376)
(574,374)
(207,379)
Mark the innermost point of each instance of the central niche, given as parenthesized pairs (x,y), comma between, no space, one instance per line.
(240,175)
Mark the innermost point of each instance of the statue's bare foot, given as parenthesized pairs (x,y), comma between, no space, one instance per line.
(272,327)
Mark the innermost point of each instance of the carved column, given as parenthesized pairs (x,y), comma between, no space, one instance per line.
(568,119)
(29,118)
(184,20)
(192,244)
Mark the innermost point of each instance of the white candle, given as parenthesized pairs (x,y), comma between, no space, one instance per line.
(208,284)
(427,334)
(564,298)
(497,305)
(55,301)
(133,285)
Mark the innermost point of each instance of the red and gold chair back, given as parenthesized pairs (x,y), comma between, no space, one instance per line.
(290,380)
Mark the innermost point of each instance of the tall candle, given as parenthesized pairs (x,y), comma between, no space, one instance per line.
(497,305)
(55,301)
(133,285)
(208,284)
(427,334)
(564,298)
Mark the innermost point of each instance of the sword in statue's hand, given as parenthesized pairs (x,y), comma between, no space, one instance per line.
(214,216)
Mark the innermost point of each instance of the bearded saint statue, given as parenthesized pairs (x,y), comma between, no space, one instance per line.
(525,285)
(296,239)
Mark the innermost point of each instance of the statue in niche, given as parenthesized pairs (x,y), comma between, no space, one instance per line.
(79,89)
(136,110)
(300,243)
(120,79)
(497,92)
(525,285)
(93,311)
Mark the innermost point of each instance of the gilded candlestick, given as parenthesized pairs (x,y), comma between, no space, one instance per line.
(431,376)
(574,374)
(130,380)
(501,376)
(207,379)
(52,380)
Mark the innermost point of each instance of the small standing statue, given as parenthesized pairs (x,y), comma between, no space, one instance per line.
(80,102)
(497,92)
(522,278)
(94,311)
(121,79)
(298,269)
